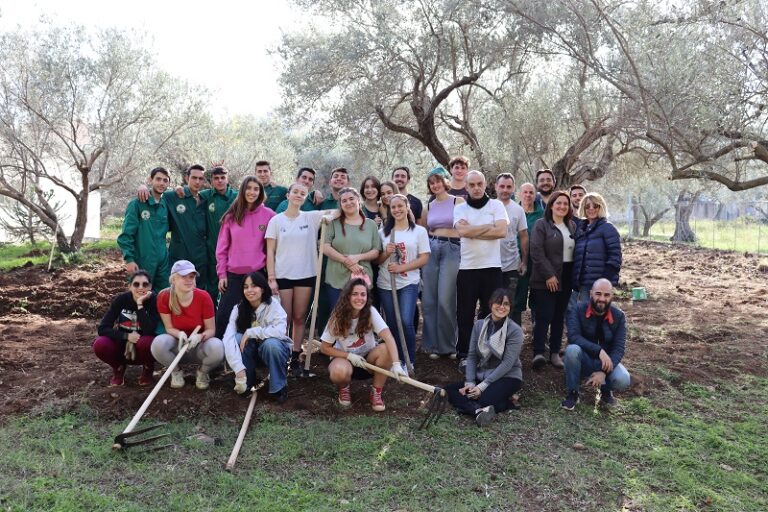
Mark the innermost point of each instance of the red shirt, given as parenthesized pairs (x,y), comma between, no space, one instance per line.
(192,315)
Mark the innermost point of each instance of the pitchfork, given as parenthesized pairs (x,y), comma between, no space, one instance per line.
(436,404)
(127,438)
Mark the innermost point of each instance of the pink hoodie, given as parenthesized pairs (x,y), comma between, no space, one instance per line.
(242,249)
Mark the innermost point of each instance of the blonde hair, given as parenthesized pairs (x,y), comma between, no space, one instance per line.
(594,198)
(173,300)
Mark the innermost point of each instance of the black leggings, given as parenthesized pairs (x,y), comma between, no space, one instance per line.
(497,395)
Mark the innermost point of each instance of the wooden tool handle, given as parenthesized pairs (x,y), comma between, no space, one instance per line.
(244,428)
(407,380)
(316,298)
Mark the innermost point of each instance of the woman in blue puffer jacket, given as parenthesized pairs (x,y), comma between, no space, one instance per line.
(598,247)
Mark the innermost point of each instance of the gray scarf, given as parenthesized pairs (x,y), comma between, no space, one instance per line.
(493,345)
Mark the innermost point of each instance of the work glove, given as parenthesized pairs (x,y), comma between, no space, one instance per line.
(182,339)
(356,360)
(397,369)
(194,340)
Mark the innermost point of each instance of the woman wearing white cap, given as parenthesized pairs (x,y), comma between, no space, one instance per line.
(182,308)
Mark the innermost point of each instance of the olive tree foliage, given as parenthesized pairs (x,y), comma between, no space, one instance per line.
(80,111)
(694,71)
(419,69)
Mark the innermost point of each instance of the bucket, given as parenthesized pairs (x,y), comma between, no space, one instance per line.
(639,293)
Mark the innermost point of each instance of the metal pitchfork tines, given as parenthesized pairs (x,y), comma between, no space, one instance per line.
(437,403)
(127,439)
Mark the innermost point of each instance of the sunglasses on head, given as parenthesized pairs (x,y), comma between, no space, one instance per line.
(140,284)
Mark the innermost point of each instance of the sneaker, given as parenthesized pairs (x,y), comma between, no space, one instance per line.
(146,377)
(570,401)
(203,381)
(281,395)
(556,361)
(295,368)
(377,404)
(177,379)
(241,384)
(118,376)
(485,415)
(452,356)
(539,361)
(345,396)
(434,355)
(607,399)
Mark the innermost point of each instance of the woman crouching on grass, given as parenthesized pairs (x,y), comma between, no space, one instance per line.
(494,361)
(349,338)
(127,330)
(183,307)
(255,336)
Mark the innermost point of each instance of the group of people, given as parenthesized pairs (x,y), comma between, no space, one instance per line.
(241,266)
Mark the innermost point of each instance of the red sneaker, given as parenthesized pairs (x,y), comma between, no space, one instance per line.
(345,396)
(118,376)
(377,404)
(146,376)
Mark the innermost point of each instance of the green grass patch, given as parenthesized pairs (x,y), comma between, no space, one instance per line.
(17,255)
(739,235)
(688,448)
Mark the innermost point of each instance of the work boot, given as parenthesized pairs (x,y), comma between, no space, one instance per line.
(145,379)
(539,361)
(118,376)
(203,381)
(177,379)
(377,404)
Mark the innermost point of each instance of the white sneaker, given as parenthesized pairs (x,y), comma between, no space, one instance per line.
(202,381)
(240,384)
(434,355)
(177,379)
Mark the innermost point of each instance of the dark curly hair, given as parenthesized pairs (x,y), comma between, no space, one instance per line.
(343,313)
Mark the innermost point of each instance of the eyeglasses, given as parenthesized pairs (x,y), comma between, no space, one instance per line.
(591,206)
(140,284)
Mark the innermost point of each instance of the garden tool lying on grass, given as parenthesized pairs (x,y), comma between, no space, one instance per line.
(396,306)
(315,303)
(246,422)
(126,439)
(436,404)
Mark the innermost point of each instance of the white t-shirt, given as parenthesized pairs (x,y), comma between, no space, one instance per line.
(352,342)
(296,251)
(568,243)
(510,256)
(477,253)
(410,244)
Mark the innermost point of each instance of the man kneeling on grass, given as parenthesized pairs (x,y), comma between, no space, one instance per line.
(597,332)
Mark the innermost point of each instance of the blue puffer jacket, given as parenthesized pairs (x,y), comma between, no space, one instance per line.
(597,254)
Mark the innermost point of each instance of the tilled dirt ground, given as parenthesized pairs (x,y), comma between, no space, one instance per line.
(706,317)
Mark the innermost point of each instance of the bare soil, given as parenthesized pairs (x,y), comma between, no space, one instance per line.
(706,318)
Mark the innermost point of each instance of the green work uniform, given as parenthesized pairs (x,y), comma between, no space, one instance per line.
(217,206)
(187,218)
(521,292)
(142,239)
(274,195)
(329,203)
(307,206)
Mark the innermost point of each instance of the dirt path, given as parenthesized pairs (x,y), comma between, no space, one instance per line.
(706,317)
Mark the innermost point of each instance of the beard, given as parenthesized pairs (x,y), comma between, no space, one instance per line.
(600,307)
(545,190)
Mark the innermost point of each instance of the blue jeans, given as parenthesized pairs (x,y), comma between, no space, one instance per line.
(406,298)
(579,365)
(438,297)
(273,354)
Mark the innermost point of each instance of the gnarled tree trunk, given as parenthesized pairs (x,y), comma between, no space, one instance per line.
(683,210)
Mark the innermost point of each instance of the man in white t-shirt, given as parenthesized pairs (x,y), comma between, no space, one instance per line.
(513,261)
(481,223)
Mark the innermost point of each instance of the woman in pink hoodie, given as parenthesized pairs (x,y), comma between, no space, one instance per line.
(241,248)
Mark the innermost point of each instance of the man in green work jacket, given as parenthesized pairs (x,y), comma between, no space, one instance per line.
(218,198)
(145,225)
(187,216)
(273,194)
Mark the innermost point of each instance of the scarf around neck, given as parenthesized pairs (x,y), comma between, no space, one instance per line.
(478,203)
(493,345)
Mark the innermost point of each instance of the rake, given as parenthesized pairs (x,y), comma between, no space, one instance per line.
(437,403)
(130,437)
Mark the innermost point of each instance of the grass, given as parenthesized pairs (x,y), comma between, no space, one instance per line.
(738,235)
(17,255)
(687,448)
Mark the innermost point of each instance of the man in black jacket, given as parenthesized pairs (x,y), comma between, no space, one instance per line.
(597,332)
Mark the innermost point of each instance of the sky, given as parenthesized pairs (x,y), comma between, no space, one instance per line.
(223,46)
